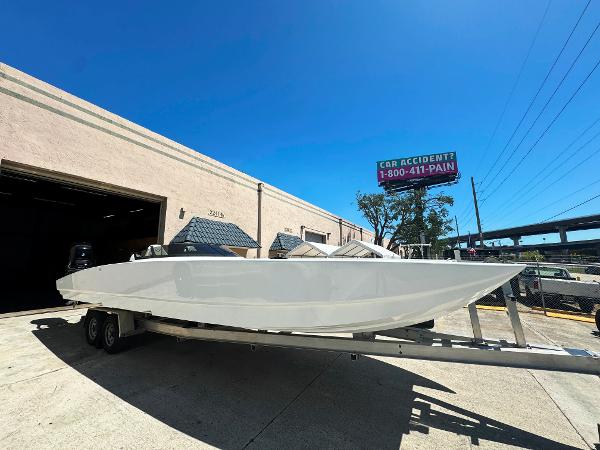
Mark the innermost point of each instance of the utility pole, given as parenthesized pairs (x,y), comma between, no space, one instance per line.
(477,212)
(457,233)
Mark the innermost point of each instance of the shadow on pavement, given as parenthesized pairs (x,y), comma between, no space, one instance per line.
(229,397)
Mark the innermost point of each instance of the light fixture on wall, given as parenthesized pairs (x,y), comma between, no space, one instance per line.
(181,213)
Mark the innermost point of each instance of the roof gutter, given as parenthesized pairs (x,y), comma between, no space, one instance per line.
(259,191)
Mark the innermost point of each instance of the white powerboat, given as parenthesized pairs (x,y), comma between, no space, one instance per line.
(320,295)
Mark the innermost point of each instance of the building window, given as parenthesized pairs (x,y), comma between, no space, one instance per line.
(309,236)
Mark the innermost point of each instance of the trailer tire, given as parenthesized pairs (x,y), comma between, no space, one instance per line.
(598,319)
(92,326)
(111,341)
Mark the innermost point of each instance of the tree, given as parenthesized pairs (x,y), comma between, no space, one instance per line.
(532,255)
(401,218)
(380,211)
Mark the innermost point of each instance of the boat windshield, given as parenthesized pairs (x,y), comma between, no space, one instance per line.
(546,272)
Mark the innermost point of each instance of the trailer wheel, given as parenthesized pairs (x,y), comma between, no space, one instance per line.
(92,326)
(598,319)
(111,341)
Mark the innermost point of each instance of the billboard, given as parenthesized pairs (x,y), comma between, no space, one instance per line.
(417,171)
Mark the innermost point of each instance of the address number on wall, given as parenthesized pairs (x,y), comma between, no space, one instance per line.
(214,213)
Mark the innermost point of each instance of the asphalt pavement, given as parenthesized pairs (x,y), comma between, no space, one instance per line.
(58,392)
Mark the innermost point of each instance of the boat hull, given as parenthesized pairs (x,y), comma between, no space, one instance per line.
(305,295)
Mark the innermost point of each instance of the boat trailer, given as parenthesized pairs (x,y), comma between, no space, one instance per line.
(109,328)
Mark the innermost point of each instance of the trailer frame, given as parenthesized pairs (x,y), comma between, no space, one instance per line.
(407,342)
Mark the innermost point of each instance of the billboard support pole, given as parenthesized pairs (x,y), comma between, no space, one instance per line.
(477,212)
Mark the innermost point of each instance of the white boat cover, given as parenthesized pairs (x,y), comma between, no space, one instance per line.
(312,249)
(362,249)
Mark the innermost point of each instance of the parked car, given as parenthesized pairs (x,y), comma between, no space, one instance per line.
(529,277)
(558,284)
(81,257)
(592,270)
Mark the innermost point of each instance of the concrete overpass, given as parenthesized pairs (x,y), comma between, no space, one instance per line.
(556,226)
(589,245)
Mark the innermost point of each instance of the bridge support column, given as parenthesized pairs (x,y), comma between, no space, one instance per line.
(562,231)
(563,235)
(516,240)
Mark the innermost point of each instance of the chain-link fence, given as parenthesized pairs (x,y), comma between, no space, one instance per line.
(554,288)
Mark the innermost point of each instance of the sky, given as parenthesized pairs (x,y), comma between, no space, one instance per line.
(308,95)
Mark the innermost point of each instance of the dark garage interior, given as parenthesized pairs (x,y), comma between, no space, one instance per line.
(40,219)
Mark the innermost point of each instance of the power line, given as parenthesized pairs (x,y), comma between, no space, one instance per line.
(535,36)
(564,174)
(563,154)
(549,205)
(470,214)
(568,172)
(558,86)
(545,106)
(561,176)
(467,208)
(572,208)
(543,208)
(546,130)
(467,204)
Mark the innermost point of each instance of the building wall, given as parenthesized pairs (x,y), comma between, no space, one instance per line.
(46,128)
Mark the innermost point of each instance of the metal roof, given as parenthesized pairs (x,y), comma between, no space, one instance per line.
(206,231)
(285,242)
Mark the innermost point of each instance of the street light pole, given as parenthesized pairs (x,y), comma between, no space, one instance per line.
(477,212)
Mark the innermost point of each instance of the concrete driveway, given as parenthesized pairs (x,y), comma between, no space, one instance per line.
(58,392)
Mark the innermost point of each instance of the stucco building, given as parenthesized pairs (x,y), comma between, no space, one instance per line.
(73,171)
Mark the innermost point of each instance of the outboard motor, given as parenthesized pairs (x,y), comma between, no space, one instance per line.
(81,257)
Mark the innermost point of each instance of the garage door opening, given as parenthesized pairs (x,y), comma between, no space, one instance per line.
(319,238)
(40,219)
